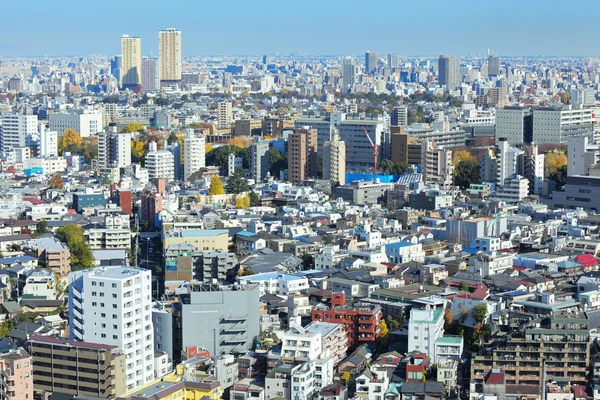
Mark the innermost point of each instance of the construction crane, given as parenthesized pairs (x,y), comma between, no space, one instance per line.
(375,150)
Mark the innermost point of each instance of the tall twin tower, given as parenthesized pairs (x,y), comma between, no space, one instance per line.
(135,70)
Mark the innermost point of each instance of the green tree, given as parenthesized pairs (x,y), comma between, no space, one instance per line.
(42,227)
(393,168)
(466,173)
(479,313)
(307,261)
(559,177)
(216,186)
(277,162)
(254,199)
(219,157)
(463,287)
(391,323)
(6,327)
(237,183)
(81,255)
(172,138)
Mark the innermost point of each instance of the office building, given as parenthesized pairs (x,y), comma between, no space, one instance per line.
(334,160)
(131,61)
(115,67)
(150,82)
(194,153)
(87,123)
(436,164)
(425,327)
(438,132)
(393,60)
(579,191)
(493,66)
(15,129)
(362,192)
(220,319)
(583,97)
(16,375)
(302,154)
(399,116)
(553,349)
(114,148)
(113,306)
(259,161)
(405,149)
(515,124)
(370,62)
(50,252)
(449,72)
(77,368)
(169,55)
(48,142)
(160,163)
(348,74)
(557,124)
(224,115)
(581,155)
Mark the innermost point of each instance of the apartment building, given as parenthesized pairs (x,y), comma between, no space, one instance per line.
(436,164)
(224,115)
(561,343)
(51,253)
(302,154)
(113,306)
(160,163)
(363,192)
(259,161)
(86,122)
(16,375)
(15,129)
(114,148)
(213,240)
(308,343)
(405,148)
(103,237)
(194,157)
(425,327)
(334,160)
(277,283)
(361,320)
(77,368)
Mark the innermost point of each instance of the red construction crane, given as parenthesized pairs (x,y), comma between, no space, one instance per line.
(375,150)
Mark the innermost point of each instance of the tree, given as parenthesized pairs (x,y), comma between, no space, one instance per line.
(216,186)
(81,255)
(384,329)
(172,138)
(392,168)
(559,177)
(307,261)
(247,271)
(461,155)
(448,318)
(466,173)
(553,161)
(42,227)
(463,314)
(70,138)
(237,183)
(208,148)
(479,313)
(346,377)
(391,323)
(138,150)
(277,162)
(6,327)
(56,182)
(242,202)
(463,287)
(133,127)
(254,199)
(219,157)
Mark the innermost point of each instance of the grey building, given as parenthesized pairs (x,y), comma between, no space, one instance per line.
(363,192)
(493,66)
(220,319)
(215,265)
(439,132)
(430,200)
(580,191)
(399,116)
(515,124)
(162,323)
(348,73)
(449,72)
(259,161)
(557,124)
(370,62)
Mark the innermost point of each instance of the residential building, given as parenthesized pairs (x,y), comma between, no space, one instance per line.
(581,155)
(490,263)
(114,149)
(150,81)
(220,319)
(557,124)
(348,74)
(131,61)
(48,142)
(113,306)
(259,160)
(193,153)
(50,253)
(440,132)
(302,154)
(405,148)
(449,348)
(160,163)
(399,116)
(77,368)
(425,327)
(213,240)
(514,190)
(16,375)
(334,160)
(362,192)
(371,62)
(176,387)
(224,115)
(162,323)
(214,265)
(169,56)
(436,164)
(449,72)
(403,252)
(86,122)
(15,129)
(277,283)
(107,237)
(429,200)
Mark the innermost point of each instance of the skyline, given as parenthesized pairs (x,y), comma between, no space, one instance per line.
(331,28)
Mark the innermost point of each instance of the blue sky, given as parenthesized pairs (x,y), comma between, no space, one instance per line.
(407,27)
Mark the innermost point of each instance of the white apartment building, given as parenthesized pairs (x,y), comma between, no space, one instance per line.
(224,115)
(48,165)
(193,153)
(514,190)
(113,306)
(15,129)
(308,380)
(277,283)
(87,123)
(436,164)
(329,257)
(425,327)
(114,149)
(160,163)
(373,385)
(233,163)
(48,142)
(488,264)
(334,160)
(102,237)
(557,124)
(581,155)
(307,343)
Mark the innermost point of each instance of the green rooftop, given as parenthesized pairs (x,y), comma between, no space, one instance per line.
(450,340)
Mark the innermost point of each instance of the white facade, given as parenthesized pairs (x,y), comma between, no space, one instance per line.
(160,163)
(314,375)
(193,153)
(233,163)
(113,306)
(334,160)
(16,128)
(489,264)
(301,343)
(224,115)
(114,149)
(556,124)
(49,165)
(436,164)
(425,327)
(86,123)
(514,189)
(277,283)
(48,142)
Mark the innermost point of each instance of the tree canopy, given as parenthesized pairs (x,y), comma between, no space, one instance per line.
(479,313)
(559,177)
(466,173)
(133,127)
(81,255)
(393,168)
(277,162)
(237,183)
(69,141)
(216,186)
(56,182)
(219,157)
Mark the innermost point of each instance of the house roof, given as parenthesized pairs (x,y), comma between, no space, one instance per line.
(586,260)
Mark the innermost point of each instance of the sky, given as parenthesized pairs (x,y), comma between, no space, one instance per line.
(315,27)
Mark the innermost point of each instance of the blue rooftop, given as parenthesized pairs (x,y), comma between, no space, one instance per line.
(203,232)
(11,260)
(245,233)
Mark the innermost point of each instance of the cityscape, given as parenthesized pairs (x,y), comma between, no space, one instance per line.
(297,224)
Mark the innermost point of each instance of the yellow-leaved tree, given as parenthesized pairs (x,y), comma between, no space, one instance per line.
(69,137)
(133,127)
(553,161)
(461,155)
(208,148)
(216,186)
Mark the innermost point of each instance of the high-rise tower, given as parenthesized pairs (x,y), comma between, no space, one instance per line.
(169,54)
(131,61)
